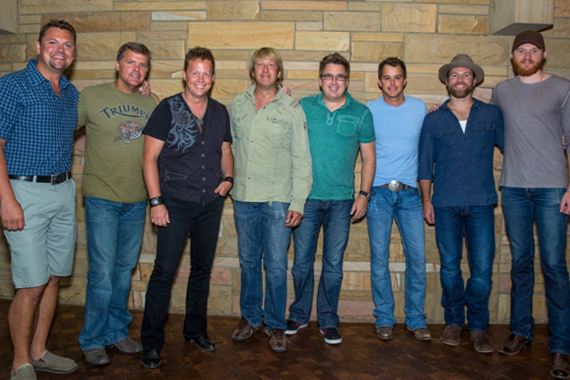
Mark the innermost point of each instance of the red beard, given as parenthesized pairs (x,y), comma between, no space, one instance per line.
(526,72)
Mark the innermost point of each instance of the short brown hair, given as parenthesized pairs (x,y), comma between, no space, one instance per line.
(394,62)
(135,47)
(266,52)
(335,59)
(60,24)
(200,53)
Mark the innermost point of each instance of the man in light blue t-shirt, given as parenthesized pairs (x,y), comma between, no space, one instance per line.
(338,126)
(397,124)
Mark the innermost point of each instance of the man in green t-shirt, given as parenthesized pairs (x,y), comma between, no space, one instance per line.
(114,115)
(338,127)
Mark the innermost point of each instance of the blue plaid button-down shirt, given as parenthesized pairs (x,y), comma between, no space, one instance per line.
(38,125)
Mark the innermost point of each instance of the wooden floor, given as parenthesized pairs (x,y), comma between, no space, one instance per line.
(360,356)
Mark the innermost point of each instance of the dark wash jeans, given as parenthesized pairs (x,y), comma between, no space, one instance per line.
(521,206)
(334,216)
(477,224)
(202,223)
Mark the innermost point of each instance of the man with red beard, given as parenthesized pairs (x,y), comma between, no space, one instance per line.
(534,184)
(456,153)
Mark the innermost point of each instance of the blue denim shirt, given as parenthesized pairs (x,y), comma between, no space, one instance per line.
(461,164)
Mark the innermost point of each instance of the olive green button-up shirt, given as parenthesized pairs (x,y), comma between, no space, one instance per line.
(272,161)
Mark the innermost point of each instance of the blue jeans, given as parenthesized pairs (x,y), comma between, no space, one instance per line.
(262,234)
(477,224)
(114,236)
(406,207)
(334,216)
(521,206)
(202,222)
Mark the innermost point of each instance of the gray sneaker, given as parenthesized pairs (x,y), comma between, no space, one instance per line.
(385,333)
(25,372)
(96,356)
(128,346)
(50,362)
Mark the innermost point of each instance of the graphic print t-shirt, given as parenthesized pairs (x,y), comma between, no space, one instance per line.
(114,122)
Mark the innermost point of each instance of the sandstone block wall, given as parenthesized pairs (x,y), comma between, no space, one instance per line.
(425,33)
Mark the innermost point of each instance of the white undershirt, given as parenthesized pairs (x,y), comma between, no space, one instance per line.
(463,124)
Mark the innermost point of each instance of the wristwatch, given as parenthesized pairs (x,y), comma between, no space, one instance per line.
(229,179)
(156,201)
(366,194)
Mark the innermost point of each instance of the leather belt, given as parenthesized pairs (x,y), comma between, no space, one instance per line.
(396,186)
(54,179)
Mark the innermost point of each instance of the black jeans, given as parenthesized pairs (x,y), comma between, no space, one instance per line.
(202,223)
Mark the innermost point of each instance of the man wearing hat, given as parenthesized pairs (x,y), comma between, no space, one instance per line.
(456,154)
(534,185)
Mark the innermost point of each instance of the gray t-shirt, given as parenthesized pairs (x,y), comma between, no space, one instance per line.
(537,115)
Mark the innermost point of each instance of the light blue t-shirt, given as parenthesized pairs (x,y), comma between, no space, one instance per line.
(397,132)
(334,140)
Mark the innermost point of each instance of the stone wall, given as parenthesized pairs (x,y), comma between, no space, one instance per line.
(425,33)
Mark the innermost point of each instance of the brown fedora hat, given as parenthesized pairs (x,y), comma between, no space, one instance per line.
(462,60)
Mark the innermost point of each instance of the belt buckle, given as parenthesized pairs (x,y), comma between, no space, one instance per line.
(56,179)
(395,186)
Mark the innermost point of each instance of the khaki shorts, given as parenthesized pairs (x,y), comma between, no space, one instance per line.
(46,245)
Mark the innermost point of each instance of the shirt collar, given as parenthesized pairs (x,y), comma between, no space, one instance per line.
(39,79)
(476,104)
(279,95)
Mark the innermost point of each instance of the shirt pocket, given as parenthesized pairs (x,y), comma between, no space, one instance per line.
(446,144)
(278,131)
(347,125)
(483,138)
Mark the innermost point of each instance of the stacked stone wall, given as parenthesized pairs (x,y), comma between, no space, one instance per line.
(425,33)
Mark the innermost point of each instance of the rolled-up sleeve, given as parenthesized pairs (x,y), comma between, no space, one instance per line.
(301,164)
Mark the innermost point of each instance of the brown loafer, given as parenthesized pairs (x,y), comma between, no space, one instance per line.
(481,342)
(244,331)
(514,345)
(421,333)
(451,336)
(560,366)
(385,333)
(278,341)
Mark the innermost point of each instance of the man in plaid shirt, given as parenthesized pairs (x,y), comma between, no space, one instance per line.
(38,117)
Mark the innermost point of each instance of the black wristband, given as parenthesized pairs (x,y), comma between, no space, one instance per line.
(156,201)
(366,194)
(229,179)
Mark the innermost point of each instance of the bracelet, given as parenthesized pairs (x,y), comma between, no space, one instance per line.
(366,194)
(156,201)
(229,179)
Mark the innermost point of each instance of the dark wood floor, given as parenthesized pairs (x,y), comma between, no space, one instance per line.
(360,356)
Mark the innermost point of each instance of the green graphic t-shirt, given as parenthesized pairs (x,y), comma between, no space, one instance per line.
(114,122)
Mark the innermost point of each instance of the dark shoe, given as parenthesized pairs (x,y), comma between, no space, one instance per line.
(203,343)
(332,336)
(294,327)
(244,331)
(451,336)
(481,342)
(151,359)
(278,341)
(96,356)
(514,345)
(128,346)
(420,333)
(25,372)
(560,366)
(385,333)
(50,362)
